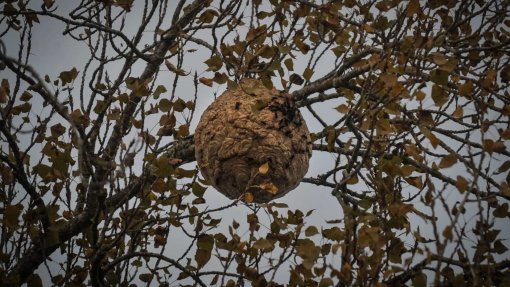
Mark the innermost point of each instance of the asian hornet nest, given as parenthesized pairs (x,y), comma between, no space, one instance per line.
(253,140)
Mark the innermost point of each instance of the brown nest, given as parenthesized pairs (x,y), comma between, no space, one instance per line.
(253,142)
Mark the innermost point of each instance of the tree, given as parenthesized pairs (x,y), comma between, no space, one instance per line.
(98,179)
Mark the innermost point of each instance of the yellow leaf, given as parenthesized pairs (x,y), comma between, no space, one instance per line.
(263,169)
(269,187)
(248,197)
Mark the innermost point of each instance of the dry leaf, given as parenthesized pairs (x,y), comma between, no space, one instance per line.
(263,169)
(248,197)
(269,187)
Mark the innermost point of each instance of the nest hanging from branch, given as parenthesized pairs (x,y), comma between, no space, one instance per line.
(253,141)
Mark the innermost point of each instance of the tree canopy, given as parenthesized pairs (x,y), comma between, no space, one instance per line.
(408,105)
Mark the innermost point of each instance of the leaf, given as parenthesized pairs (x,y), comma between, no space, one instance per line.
(263,244)
(269,187)
(207,16)
(466,88)
(499,247)
(420,95)
(439,59)
(447,233)
(420,280)
(165,105)
(197,189)
(138,87)
(146,277)
(311,231)
(68,77)
(296,79)
(206,81)
(343,108)
(459,112)
(177,71)
(326,282)
(333,233)
(504,167)
(248,197)
(25,97)
(413,8)
(57,130)
(214,63)
(448,161)
(4,95)
(307,74)
(439,95)
(439,77)
(11,214)
(263,169)
(501,211)
(48,3)
(289,64)
(462,184)
(258,106)
(34,281)
(159,90)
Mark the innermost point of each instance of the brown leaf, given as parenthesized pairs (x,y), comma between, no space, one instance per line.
(462,184)
(448,161)
(206,81)
(413,8)
(439,95)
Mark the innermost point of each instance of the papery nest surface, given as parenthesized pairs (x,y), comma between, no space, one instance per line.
(253,141)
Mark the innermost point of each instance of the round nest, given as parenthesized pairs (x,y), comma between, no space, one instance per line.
(252,143)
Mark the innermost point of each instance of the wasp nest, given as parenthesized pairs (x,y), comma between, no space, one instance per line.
(253,142)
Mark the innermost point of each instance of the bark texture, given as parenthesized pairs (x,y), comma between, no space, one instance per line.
(246,128)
